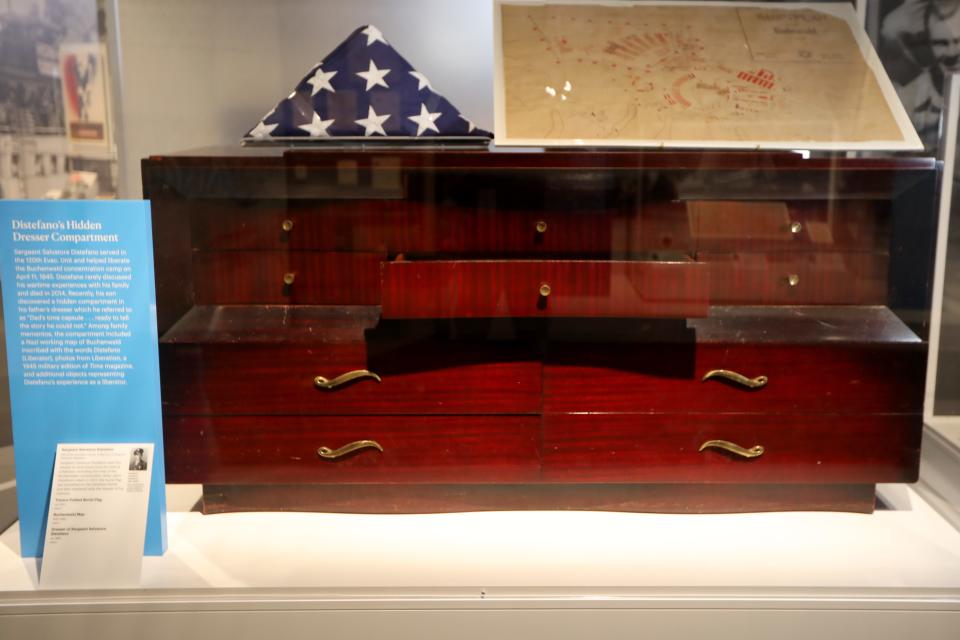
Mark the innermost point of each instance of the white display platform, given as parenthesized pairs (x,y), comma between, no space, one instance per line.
(892,574)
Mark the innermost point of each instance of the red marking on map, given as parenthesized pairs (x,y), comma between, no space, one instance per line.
(762,78)
(678,85)
(563,45)
(703,91)
(746,98)
(638,44)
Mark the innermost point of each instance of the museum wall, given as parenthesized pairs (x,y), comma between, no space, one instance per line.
(202,73)
(192,73)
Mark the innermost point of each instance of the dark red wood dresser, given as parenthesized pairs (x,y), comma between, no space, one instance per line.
(407,330)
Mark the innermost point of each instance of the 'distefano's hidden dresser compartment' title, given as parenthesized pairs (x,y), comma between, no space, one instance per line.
(407,330)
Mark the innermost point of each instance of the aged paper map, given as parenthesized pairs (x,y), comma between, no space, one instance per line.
(731,75)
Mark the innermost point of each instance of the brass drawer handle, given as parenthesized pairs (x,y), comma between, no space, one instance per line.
(793,280)
(752,452)
(322,383)
(796,228)
(545,289)
(287,225)
(332,454)
(288,278)
(733,376)
(541,226)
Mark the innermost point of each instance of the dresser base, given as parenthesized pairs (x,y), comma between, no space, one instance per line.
(651,498)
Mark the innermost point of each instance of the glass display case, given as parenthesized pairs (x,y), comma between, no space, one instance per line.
(648,358)
(438,329)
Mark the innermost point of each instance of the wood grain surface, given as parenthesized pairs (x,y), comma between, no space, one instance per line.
(825,449)
(441,498)
(257,277)
(841,379)
(417,378)
(416,449)
(824,277)
(511,288)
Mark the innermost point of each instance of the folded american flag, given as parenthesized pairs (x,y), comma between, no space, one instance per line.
(364,88)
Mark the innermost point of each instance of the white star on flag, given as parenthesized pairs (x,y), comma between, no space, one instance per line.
(321,80)
(373,35)
(470,125)
(373,123)
(425,120)
(374,76)
(317,127)
(421,81)
(262,130)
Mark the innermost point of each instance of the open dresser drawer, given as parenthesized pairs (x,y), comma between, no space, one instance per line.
(672,286)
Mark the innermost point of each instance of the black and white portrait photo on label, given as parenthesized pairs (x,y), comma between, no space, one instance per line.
(137,460)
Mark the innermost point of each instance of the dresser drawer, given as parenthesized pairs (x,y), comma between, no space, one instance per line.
(795,449)
(543,288)
(397,226)
(789,226)
(255,379)
(372,225)
(525,231)
(286,277)
(797,278)
(415,449)
(663,226)
(669,378)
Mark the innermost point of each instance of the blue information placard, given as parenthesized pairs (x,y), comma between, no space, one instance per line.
(79,310)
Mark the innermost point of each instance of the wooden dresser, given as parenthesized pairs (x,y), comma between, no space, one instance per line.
(406,330)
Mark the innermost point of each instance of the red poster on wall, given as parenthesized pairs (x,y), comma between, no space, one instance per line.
(83,78)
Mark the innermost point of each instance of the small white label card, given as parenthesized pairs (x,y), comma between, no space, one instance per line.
(97,517)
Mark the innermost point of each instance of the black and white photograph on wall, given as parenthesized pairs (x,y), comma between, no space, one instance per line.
(919,44)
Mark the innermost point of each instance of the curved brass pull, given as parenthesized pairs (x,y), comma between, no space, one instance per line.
(323,383)
(541,226)
(752,452)
(288,278)
(333,454)
(733,376)
(545,290)
(287,225)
